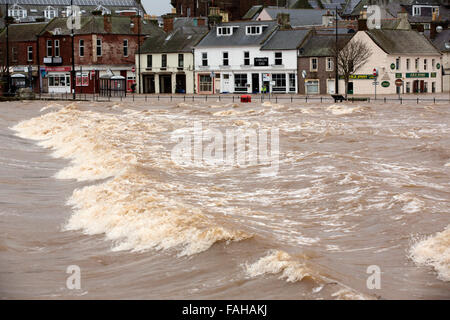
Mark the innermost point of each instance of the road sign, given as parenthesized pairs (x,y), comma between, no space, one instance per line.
(375,83)
(133,69)
(266,77)
(399,82)
(375,72)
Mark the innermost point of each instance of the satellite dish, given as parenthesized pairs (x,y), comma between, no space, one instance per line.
(304,74)
(439,29)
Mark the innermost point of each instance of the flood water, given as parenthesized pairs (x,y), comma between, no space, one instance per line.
(95,185)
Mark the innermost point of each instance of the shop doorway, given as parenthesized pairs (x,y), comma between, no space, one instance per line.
(180,83)
(255,83)
(165,83)
(149,84)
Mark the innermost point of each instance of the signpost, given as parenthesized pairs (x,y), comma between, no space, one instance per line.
(375,83)
(399,83)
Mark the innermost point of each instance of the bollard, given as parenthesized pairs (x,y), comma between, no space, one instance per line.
(417,100)
(384,99)
(306,99)
(320,99)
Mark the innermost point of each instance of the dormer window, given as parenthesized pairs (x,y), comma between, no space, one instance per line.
(50,12)
(253,30)
(103,9)
(224,31)
(417,11)
(17,12)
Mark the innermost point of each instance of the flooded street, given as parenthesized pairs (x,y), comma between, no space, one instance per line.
(349,186)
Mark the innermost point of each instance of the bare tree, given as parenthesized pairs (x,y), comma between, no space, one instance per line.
(351,58)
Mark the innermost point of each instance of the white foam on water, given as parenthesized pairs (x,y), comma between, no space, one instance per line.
(126,209)
(434,251)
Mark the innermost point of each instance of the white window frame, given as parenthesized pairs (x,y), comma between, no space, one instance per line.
(50,12)
(416,11)
(125,48)
(253,30)
(99,46)
(311,64)
(225,58)
(204,59)
(49,46)
(81,45)
(224,31)
(57,51)
(279,59)
(330,64)
(30,52)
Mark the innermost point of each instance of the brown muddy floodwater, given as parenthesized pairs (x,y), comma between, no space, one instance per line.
(349,187)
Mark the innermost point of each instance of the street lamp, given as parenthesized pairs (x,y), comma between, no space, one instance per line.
(8,77)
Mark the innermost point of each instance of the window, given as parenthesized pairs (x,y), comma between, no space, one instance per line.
(253,30)
(149,61)
(408,64)
(425,87)
(314,64)
(433,64)
(408,87)
(205,83)
(58,80)
(278,58)
(312,86)
(425,64)
(240,82)
(435,10)
(397,64)
(224,31)
(49,48)
(17,12)
(292,82)
(181,60)
(82,79)
(433,87)
(246,58)
(204,59)
(14,54)
(330,64)
(417,63)
(125,48)
(226,61)
(164,61)
(50,12)
(30,53)
(81,45)
(56,48)
(416,11)
(280,82)
(99,47)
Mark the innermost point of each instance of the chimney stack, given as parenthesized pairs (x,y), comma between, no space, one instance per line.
(135,20)
(107,23)
(284,21)
(168,22)
(327,19)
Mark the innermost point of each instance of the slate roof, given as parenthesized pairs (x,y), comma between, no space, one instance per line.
(183,39)
(23,31)
(300,17)
(252,12)
(95,25)
(402,42)
(285,40)
(239,37)
(441,39)
(321,45)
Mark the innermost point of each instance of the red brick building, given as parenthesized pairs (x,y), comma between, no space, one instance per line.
(104,45)
(236,8)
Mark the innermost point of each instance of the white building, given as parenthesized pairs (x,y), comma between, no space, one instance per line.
(246,57)
(397,54)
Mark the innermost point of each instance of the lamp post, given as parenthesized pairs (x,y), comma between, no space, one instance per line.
(72,78)
(139,50)
(336,81)
(8,77)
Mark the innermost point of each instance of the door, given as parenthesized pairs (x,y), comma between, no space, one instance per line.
(350,88)
(165,83)
(149,84)
(416,86)
(330,86)
(255,83)
(226,84)
(422,86)
(180,83)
